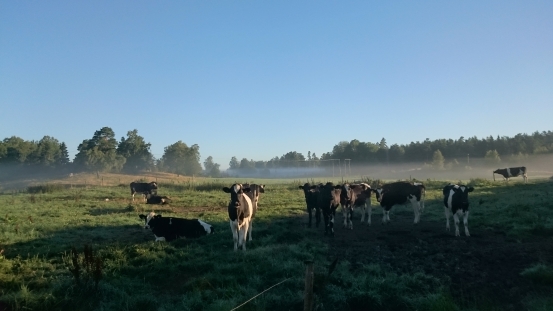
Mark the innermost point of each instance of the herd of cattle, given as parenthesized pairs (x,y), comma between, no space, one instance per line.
(320,198)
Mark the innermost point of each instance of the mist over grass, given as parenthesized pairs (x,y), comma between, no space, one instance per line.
(39,227)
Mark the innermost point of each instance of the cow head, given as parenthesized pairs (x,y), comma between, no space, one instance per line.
(460,195)
(379,193)
(148,219)
(207,227)
(235,191)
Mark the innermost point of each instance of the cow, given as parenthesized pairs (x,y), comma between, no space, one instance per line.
(399,193)
(362,193)
(240,210)
(329,200)
(511,172)
(347,198)
(254,194)
(156,199)
(143,188)
(171,228)
(311,193)
(456,202)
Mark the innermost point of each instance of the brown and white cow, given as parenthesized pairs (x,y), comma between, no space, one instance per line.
(254,194)
(240,210)
(399,193)
(352,196)
(511,172)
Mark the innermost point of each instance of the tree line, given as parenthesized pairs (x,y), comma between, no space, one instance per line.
(432,153)
(131,154)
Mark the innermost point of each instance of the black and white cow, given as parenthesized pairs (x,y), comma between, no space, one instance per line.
(156,199)
(329,200)
(143,188)
(511,172)
(311,193)
(399,193)
(456,202)
(254,194)
(240,210)
(171,228)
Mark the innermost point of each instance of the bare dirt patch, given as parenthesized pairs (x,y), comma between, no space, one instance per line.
(483,267)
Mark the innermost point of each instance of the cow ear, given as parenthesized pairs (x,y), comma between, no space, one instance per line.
(226,189)
(470,189)
(300,187)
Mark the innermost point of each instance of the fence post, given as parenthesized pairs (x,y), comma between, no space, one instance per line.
(308,294)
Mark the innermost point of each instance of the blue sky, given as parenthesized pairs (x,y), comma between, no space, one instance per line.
(257,79)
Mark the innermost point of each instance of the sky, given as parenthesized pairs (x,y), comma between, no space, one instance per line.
(257,79)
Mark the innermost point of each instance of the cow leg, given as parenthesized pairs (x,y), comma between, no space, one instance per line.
(446,218)
(345,214)
(384,218)
(331,223)
(310,212)
(416,208)
(466,223)
(234,229)
(363,209)
(350,217)
(456,220)
(370,212)
(250,228)
(317,217)
(242,234)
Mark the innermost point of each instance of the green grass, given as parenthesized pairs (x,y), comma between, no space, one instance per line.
(38,229)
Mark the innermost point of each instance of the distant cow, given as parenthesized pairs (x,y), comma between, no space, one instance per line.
(399,193)
(456,202)
(254,194)
(240,210)
(329,200)
(311,193)
(511,172)
(171,228)
(143,188)
(156,199)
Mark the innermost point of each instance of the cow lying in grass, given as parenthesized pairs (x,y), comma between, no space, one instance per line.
(456,202)
(171,228)
(156,199)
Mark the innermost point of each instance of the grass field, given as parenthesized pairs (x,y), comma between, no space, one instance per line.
(507,263)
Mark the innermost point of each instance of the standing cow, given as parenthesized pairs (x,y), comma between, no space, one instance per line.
(254,194)
(240,210)
(328,200)
(352,196)
(399,193)
(456,202)
(143,188)
(311,193)
(511,172)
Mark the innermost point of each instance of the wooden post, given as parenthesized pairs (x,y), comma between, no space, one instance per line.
(308,294)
